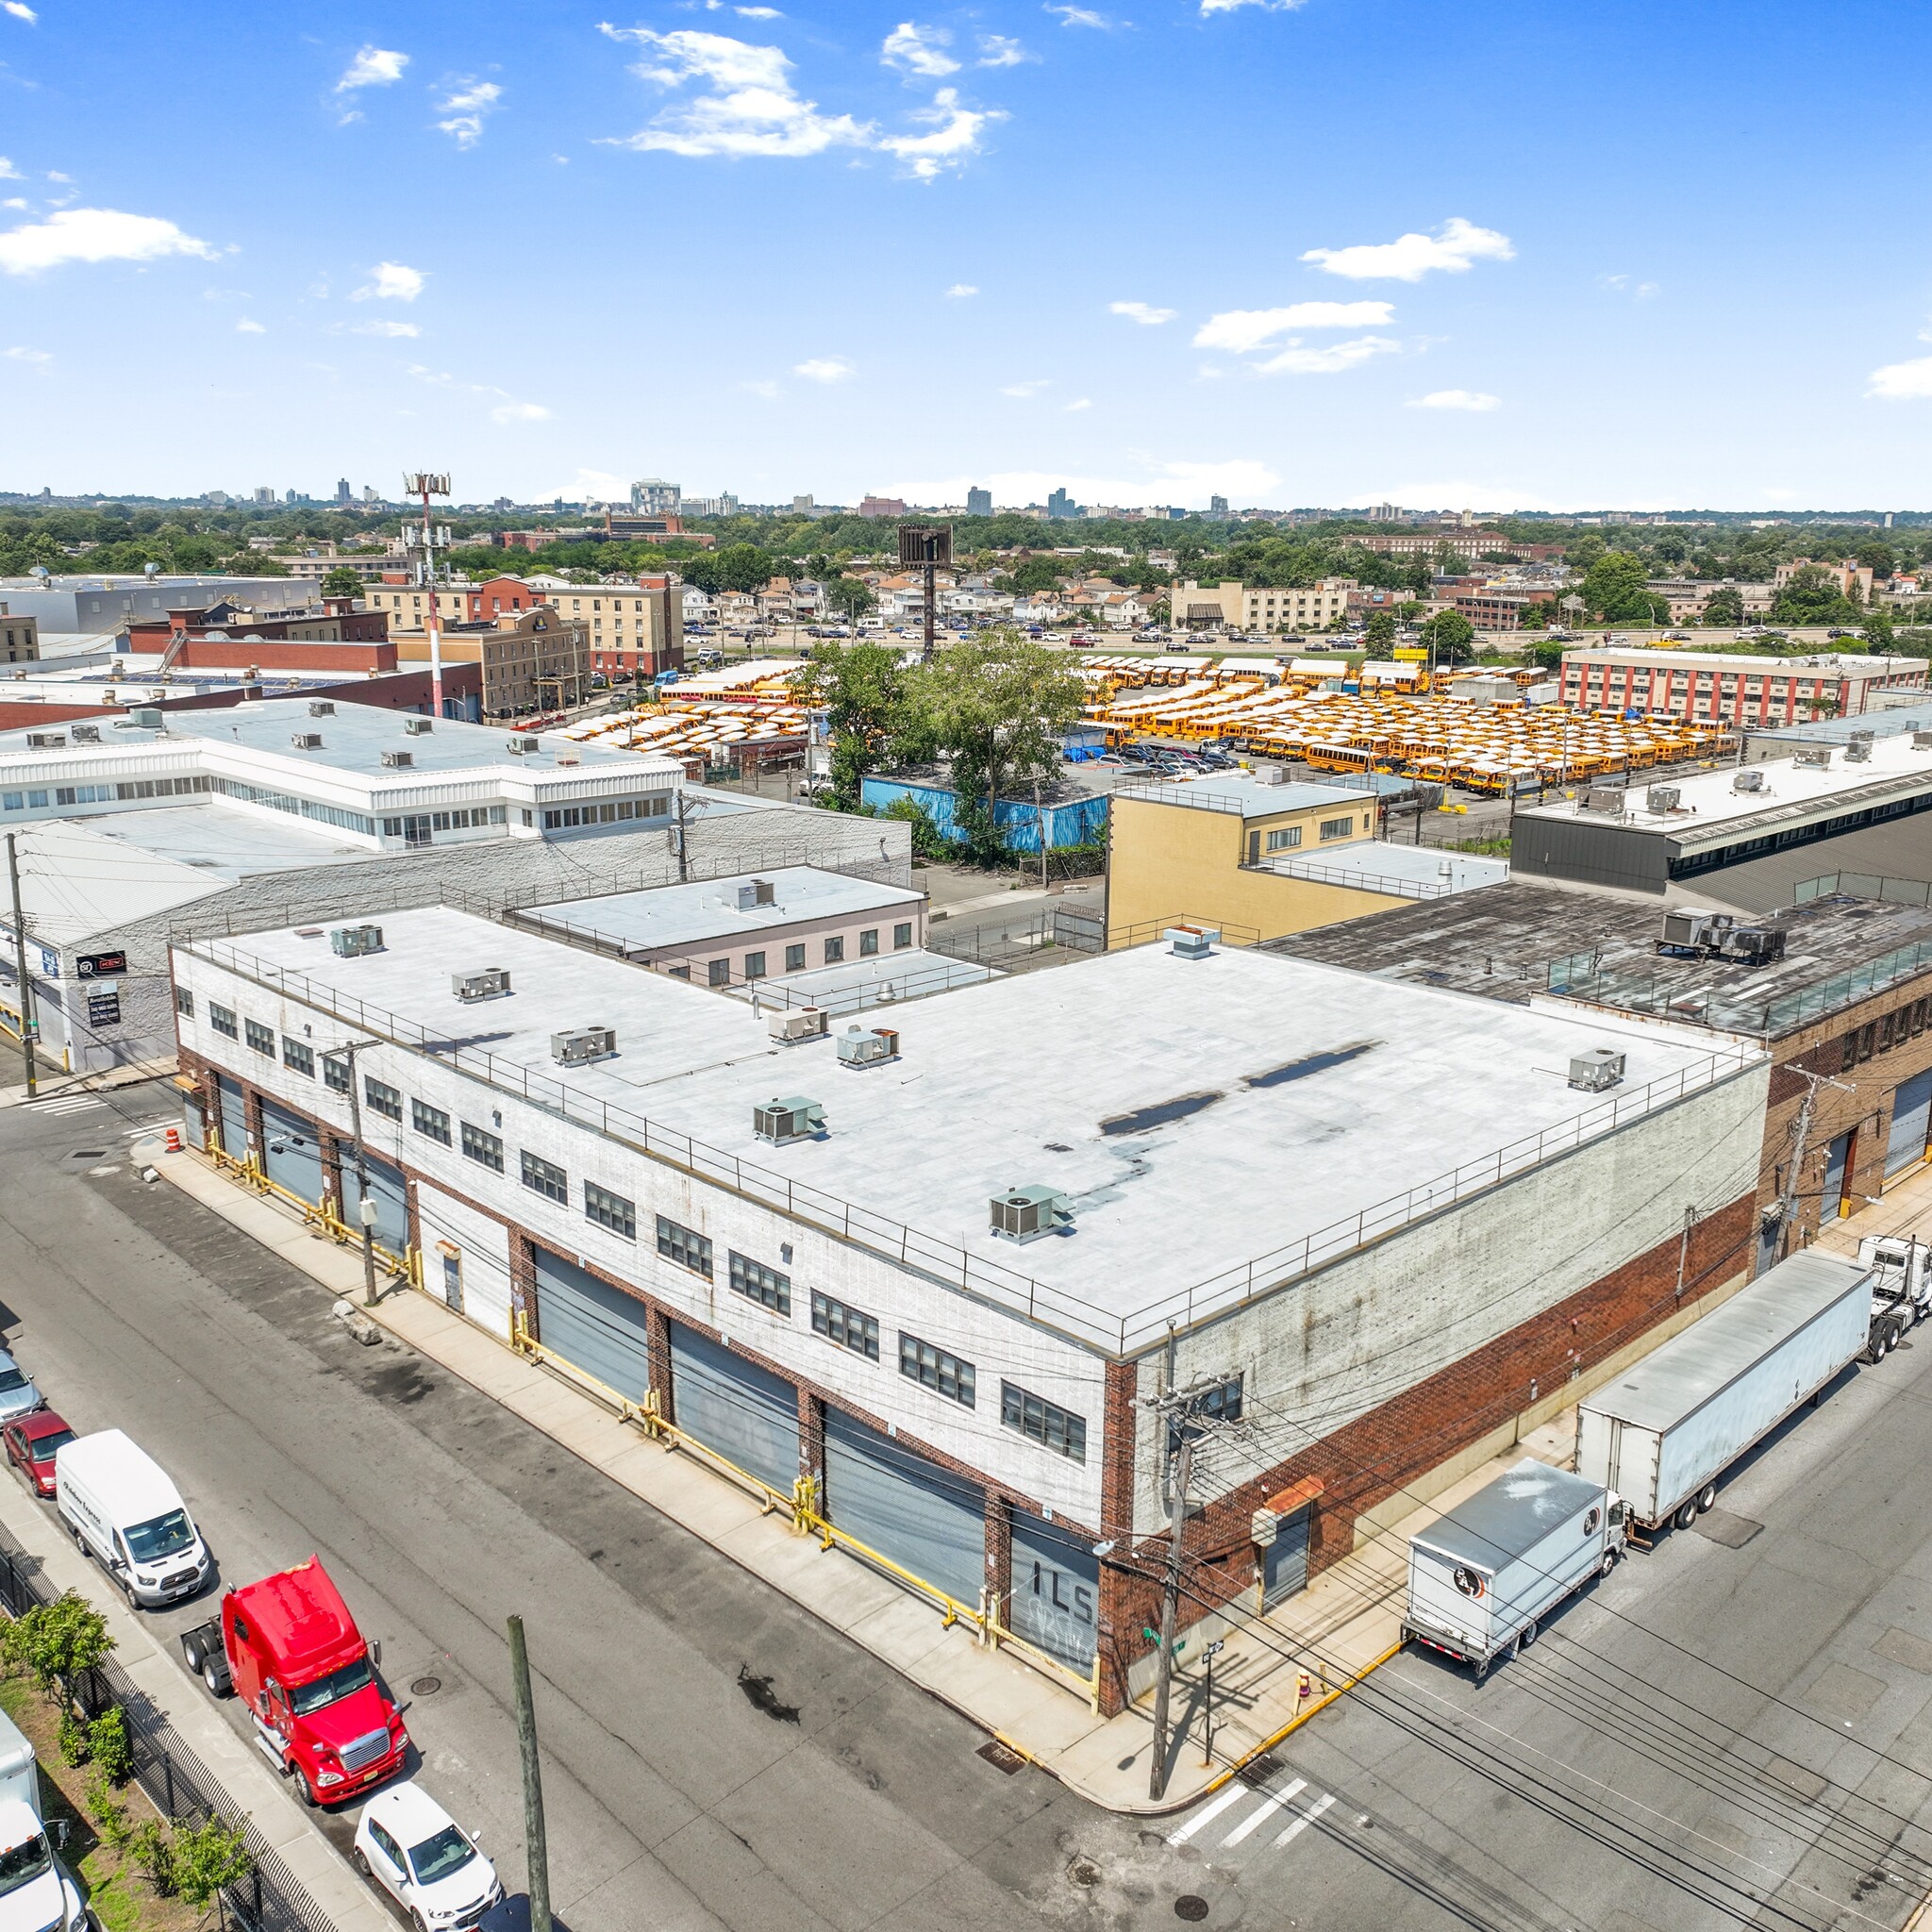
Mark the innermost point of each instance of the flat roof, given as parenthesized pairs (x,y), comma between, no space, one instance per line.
(1242,792)
(1412,871)
(1200,1113)
(1886,724)
(1508,1518)
(679,916)
(1878,666)
(860,985)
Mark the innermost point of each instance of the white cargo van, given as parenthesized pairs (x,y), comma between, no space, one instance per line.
(129,1518)
(36,1893)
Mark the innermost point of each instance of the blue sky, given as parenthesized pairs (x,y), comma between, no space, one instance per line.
(1507,256)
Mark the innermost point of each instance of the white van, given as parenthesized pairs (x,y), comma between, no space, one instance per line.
(129,1518)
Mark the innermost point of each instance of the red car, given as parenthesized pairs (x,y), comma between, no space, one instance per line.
(32,1443)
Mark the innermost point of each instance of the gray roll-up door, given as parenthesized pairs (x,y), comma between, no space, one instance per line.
(747,1414)
(389,1193)
(194,1122)
(1285,1570)
(594,1327)
(234,1111)
(925,1518)
(1056,1601)
(291,1154)
(1911,1122)
(1836,1158)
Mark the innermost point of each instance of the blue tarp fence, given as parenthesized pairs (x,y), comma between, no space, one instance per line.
(1074,822)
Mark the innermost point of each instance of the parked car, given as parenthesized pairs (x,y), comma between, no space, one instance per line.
(425,1860)
(18,1395)
(32,1443)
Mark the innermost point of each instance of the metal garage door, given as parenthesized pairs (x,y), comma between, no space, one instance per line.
(193,1121)
(388,1190)
(925,1518)
(1285,1570)
(598,1329)
(234,1111)
(1911,1122)
(1056,1602)
(747,1414)
(291,1156)
(1836,1158)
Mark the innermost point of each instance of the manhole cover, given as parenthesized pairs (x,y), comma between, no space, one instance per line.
(425,1687)
(1001,1756)
(1191,1907)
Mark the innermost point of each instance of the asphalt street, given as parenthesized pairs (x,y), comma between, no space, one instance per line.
(1736,1728)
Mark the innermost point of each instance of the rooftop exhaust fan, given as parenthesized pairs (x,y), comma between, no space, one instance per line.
(418,728)
(320,708)
(395,760)
(306,741)
(1193,942)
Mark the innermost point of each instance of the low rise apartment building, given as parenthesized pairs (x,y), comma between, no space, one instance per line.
(1238,606)
(408,606)
(19,637)
(1686,597)
(1727,688)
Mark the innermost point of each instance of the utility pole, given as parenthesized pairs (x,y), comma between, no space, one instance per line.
(1801,1131)
(366,1210)
(29,1026)
(536,1846)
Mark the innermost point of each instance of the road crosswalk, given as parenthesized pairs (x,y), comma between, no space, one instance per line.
(1248,1811)
(67,1102)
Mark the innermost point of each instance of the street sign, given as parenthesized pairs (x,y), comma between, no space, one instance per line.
(100,965)
(103,1010)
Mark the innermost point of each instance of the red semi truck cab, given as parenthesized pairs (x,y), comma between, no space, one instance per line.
(295,1657)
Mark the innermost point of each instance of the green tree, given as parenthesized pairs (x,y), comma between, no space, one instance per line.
(742,567)
(206,1858)
(1035,573)
(862,688)
(1670,548)
(850,598)
(1380,631)
(1811,595)
(54,1643)
(1879,633)
(1877,557)
(342,582)
(1725,605)
(1451,637)
(1613,588)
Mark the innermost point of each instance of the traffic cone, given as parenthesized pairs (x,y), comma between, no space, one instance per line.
(173,1140)
(1304,1688)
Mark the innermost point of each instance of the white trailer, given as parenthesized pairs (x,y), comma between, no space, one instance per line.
(1483,1576)
(1662,1434)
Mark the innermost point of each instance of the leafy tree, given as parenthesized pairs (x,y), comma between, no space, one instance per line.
(1380,630)
(1547,654)
(206,1858)
(1879,635)
(862,688)
(850,598)
(1613,587)
(1877,557)
(56,1642)
(1670,548)
(1035,573)
(1451,637)
(928,841)
(1585,551)
(742,567)
(342,582)
(1811,595)
(1725,605)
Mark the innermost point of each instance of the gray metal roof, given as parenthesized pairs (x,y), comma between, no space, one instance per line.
(1511,1516)
(1681,1377)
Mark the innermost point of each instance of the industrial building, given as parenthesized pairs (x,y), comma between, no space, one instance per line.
(924,1281)
(1728,688)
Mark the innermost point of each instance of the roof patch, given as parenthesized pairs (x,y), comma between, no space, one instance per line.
(1311,1063)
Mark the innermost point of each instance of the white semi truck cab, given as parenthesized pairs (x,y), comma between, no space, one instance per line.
(1901,1268)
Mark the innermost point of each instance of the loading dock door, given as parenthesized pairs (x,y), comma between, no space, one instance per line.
(234,1112)
(1911,1124)
(1284,1568)
(594,1327)
(925,1518)
(747,1414)
(389,1193)
(1836,1158)
(1056,1601)
(291,1154)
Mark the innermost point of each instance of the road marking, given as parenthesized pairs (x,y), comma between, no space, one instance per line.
(66,1102)
(1271,1801)
(145,1128)
(1233,1795)
(1306,1819)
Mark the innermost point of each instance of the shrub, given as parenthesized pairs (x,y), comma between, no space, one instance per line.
(76,1740)
(109,1814)
(928,841)
(206,1857)
(152,1850)
(54,1643)
(109,1745)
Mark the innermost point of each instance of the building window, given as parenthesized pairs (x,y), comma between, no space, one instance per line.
(1046,1423)
(795,958)
(846,1326)
(902,936)
(754,965)
(689,1250)
(758,1283)
(610,1210)
(484,1149)
(297,1057)
(1220,1403)
(385,1099)
(336,1071)
(719,972)
(430,1122)
(541,1178)
(1337,828)
(869,942)
(1283,837)
(835,950)
(261,1038)
(184,1003)
(946,1373)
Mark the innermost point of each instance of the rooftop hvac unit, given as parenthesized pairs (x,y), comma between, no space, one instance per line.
(861,1046)
(1690,929)
(1922,740)
(1749,779)
(757,892)
(1596,1071)
(1027,1214)
(796,1022)
(306,741)
(355,941)
(491,984)
(87,734)
(579,1046)
(1863,735)
(1662,798)
(1193,942)
(1860,751)
(1753,945)
(47,740)
(1609,798)
(418,728)
(147,718)
(521,746)
(1816,756)
(781,1122)
(395,760)
(320,708)
(1270,772)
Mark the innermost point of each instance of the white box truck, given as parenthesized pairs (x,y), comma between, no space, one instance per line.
(1662,1434)
(124,1512)
(1482,1576)
(36,1893)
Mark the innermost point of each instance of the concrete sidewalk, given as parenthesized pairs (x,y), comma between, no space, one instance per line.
(1343,1627)
(160,1677)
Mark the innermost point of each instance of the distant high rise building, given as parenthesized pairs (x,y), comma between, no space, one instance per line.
(1060,505)
(369,494)
(1217,506)
(802,507)
(724,505)
(979,503)
(264,493)
(342,490)
(654,494)
(882,507)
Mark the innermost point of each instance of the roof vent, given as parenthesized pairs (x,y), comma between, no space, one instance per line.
(87,734)
(1817,755)
(47,740)
(320,708)
(582,1045)
(491,984)
(355,941)
(1193,942)
(418,728)
(861,1046)
(306,741)
(395,760)
(1029,1214)
(757,892)
(1749,779)
(1609,798)
(520,746)
(792,1023)
(1662,798)
(1596,1071)
(782,1122)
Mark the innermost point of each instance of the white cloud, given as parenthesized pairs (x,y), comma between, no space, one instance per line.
(591,486)
(1471,400)
(1141,312)
(93,234)
(21,10)
(26,355)
(1409,258)
(1240,330)
(954,139)
(1080,403)
(468,102)
(960,291)
(823,369)
(389,281)
(750,109)
(997,50)
(1641,292)
(1293,359)
(1899,382)
(767,390)
(249,326)
(1209,8)
(373,66)
(1024,390)
(19,201)
(758,13)
(520,412)
(8,172)
(385,327)
(915,49)
(1080,16)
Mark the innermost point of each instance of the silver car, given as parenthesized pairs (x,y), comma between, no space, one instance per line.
(18,1395)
